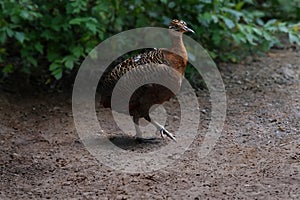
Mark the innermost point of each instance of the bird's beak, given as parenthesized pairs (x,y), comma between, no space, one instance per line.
(187,29)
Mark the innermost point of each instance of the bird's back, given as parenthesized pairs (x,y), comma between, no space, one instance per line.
(115,71)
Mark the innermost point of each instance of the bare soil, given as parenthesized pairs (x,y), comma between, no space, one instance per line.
(256,157)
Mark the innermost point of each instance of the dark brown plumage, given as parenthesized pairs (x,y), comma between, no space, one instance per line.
(148,95)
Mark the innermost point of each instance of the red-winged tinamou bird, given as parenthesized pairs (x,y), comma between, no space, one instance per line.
(151,94)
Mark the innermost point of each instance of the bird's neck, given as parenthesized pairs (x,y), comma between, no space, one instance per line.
(177,45)
(178,52)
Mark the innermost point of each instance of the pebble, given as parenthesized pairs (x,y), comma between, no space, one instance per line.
(272,120)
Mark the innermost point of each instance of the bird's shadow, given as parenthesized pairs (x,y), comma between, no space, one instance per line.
(131,143)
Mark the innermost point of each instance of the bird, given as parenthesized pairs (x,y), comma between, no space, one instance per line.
(150,94)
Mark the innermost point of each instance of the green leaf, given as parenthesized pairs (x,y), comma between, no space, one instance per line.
(206,1)
(239,5)
(92,27)
(24,14)
(32,60)
(52,55)
(69,63)
(9,32)
(294,39)
(216,38)
(283,28)
(229,23)
(249,1)
(260,22)
(267,36)
(20,36)
(76,21)
(101,35)
(93,54)
(213,54)
(250,38)
(9,68)
(205,18)
(80,20)
(271,22)
(2,51)
(239,37)
(236,14)
(77,51)
(215,18)
(54,66)
(57,73)
(2,37)
(172,5)
(39,47)
(257,31)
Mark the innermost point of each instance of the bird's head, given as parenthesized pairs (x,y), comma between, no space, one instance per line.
(179,26)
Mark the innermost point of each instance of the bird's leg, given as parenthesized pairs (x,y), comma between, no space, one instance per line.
(163,131)
(138,135)
(137,127)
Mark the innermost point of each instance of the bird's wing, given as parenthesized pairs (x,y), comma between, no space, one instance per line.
(113,73)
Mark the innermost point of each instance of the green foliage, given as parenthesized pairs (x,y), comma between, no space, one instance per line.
(231,30)
(281,9)
(49,33)
(50,38)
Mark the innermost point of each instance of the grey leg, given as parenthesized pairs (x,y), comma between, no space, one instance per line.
(138,132)
(138,135)
(161,129)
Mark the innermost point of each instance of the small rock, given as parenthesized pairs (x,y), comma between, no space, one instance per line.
(16,155)
(281,128)
(288,73)
(176,117)
(56,108)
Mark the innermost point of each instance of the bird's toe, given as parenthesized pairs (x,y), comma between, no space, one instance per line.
(164,132)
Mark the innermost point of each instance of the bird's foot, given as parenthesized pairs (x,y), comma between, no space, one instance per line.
(164,132)
(147,140)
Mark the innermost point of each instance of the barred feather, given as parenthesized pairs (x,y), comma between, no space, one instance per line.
(111,76)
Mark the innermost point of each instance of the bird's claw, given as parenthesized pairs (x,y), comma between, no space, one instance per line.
(164,132)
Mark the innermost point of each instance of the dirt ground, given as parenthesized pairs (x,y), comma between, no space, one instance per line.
(256,157)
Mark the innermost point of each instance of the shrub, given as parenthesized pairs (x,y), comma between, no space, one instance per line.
(50,38)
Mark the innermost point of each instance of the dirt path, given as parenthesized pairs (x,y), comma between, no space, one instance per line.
(257,156)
